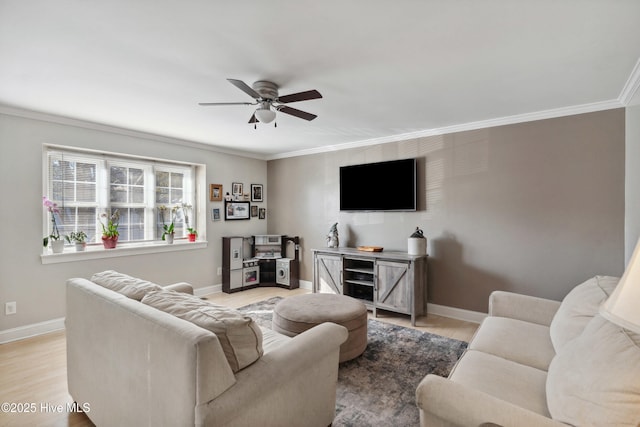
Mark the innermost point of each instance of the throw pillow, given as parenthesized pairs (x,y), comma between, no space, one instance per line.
(578,308)
(595,378)
(239,335)
(128,286)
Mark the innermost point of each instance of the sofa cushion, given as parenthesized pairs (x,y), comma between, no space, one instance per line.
(516,340)
(128,286)
(183,287)
(513,382)
(239,335)
(272,340)
(579,307)
(595,379)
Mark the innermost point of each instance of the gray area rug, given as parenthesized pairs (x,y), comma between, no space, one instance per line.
(378,388)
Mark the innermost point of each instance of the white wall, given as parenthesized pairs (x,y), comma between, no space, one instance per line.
(39,289)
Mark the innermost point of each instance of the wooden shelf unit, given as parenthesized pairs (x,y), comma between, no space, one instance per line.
(392,281)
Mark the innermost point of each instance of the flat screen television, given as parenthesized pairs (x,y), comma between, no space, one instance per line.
(382,186)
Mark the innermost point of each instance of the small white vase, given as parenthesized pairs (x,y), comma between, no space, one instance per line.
(80,246)
(169,238)
(57,246)
(417,246)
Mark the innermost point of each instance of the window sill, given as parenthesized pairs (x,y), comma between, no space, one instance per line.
(123,249)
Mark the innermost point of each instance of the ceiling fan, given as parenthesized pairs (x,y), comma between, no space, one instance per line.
(266,96)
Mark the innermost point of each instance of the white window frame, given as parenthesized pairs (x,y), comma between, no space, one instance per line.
(149,184)
(71,157)
(188,187)
(150,243)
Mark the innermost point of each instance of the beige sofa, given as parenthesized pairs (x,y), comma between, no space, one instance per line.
(537,362)
(135,365)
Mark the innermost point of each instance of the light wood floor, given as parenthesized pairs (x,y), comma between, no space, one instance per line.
(34,370)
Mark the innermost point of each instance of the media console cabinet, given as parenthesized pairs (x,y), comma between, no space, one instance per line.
(387,280)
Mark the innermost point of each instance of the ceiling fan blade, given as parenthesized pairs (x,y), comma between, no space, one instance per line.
(300,96)
(245,88)
(297,113)
(226,103)
(253,119)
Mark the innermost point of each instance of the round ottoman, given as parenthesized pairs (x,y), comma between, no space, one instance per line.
(296,314)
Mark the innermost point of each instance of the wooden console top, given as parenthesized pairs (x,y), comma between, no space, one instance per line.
(395,255)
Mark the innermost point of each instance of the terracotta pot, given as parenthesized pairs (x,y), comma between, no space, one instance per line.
(192,237)
(109,242)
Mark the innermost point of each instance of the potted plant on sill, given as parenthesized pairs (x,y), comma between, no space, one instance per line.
(79,239)
(57,244)
(169,230)
(110,231)
(191,232)
(168,233)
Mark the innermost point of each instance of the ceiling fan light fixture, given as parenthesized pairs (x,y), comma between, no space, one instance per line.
(264,114)
(266,95)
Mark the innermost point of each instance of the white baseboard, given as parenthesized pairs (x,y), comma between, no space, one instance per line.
(456,313)
(200,292)
(28,331)
(305,284)
(48,326)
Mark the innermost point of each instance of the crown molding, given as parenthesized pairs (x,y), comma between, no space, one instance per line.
(482,124)
(631,87)
(84,124)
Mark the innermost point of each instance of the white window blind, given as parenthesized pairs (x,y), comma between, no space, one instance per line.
(86,185)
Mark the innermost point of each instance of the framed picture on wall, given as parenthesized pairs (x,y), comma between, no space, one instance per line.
(256,192)
(263,213)
(236,210)
(236,189)
(215,192)
(215,214)
(254,211)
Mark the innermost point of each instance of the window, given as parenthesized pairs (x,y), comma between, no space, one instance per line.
(73,186)
(147,193)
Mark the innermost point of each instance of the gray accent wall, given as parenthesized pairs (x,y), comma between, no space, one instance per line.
(534,208)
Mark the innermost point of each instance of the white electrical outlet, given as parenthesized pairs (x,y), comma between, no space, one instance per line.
(10,308)
(219,271)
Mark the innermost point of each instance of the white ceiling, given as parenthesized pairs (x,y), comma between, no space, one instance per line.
(387,70)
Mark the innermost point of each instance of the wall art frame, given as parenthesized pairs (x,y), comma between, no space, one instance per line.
(256,193)
(236,210)
(236,189)
(215,192)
